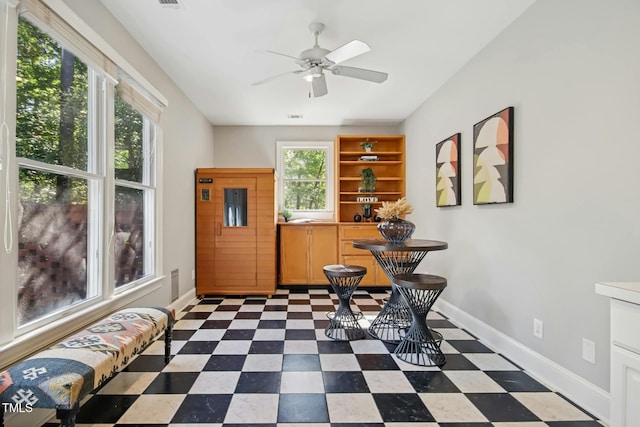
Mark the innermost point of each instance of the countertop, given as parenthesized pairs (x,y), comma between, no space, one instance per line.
(625,291)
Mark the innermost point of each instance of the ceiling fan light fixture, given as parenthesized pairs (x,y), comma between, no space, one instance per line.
(312,73)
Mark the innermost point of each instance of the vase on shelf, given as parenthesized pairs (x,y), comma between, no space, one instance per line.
(367,211)
(396,230)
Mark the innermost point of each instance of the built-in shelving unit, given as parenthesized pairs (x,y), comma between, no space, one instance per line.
(389,168)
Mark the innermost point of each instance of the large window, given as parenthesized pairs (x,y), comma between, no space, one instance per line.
(58,183)
(85,143)
(305,171)
(134,192)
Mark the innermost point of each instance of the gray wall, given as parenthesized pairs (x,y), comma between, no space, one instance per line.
(255,146)
(571,70)
(187,145)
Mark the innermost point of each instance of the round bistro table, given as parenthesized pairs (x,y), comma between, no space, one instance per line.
(396,258)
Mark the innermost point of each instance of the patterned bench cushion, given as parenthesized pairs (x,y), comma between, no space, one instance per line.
(62,375)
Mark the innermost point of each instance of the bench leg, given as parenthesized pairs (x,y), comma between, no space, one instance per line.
(67,417)
(167,343)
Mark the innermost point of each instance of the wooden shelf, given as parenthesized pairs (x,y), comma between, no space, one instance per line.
(389,170)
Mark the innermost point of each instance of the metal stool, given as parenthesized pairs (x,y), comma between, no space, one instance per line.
(418,346)
(343,323)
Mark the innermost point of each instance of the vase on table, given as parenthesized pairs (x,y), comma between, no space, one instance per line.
(396,230)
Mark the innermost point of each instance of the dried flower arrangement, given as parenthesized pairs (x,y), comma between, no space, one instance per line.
(398,208)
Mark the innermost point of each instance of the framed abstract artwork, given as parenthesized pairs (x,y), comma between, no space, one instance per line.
(448,172)
(493,159)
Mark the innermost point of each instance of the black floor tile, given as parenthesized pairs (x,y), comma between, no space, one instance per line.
(259,382)
(299,315)
(182,334)
(215,324)
(303,408)
(275,307)
(501,407)
(402,407)
(196,315)
(144,363)
(469,346)
(440,323)
(172,383)
(198,347)
(370,362)
(228,307)
(239,334)
(267,347)
(334,347)
(431,382)
(458,362)
(248,315)
(211,301)
(344,382)
(203,408)
(272,324)
(516,381)
(320,323)
(225,362)
(104,408)
(300,334)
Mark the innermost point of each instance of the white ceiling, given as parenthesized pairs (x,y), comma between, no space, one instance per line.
(209,48)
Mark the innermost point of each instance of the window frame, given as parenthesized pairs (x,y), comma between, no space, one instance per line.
(328,146)
(16,343)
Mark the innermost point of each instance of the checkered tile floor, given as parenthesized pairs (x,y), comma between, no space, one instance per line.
(267,362)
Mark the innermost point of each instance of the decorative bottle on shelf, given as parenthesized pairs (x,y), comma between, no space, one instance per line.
(367,211)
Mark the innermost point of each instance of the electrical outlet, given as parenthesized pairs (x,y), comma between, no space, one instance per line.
(538,328)
(193,275)
(589,351)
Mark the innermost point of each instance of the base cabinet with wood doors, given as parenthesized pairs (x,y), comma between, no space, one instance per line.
(304,250)
(235,231)
(349,255)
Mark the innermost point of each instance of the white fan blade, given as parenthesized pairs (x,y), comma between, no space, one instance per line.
(360,73)
(275,77)
(347,51)
(319,86)
(278,53)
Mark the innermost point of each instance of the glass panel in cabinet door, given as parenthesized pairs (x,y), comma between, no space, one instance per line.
(235,207)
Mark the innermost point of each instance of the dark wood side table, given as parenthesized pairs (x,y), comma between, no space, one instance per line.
(396,258)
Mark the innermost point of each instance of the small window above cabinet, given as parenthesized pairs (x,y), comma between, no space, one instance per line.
(357,192)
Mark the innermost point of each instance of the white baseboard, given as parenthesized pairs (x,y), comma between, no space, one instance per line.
(185,300)
(584,393)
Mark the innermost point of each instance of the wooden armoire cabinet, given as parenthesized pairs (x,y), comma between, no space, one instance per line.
(235,231)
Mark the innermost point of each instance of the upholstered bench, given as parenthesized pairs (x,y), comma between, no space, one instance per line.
(60,376)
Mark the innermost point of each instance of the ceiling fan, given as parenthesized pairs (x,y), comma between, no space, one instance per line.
(315,61)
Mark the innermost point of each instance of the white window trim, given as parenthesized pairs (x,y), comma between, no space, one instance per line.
(327,214)
(15,344)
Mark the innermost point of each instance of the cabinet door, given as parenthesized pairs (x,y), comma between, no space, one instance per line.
(366,261)
(236,255)
(625,387)
(323,251)
(294,254)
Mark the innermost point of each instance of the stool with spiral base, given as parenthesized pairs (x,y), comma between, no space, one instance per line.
(343,323)
(420,291)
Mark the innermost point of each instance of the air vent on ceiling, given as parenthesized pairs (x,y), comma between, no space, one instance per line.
(174,4)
